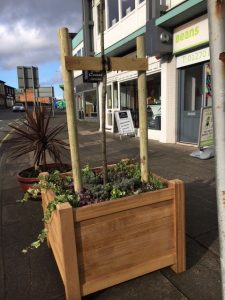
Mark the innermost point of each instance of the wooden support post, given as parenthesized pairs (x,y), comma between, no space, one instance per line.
(65,47)
(69,271)
(104,93)
(142,105)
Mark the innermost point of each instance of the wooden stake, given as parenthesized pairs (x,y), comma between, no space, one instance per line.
(104,84)
(142,104)
(65,49)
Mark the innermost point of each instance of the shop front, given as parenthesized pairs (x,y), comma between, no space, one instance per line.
(122,94)
(194,76)
(86,99)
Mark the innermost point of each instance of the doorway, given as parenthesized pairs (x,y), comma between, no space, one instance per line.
(191,96)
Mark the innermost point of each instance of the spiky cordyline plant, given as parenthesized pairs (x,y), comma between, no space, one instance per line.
(34,134)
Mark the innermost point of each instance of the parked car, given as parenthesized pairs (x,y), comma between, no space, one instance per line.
(18,107)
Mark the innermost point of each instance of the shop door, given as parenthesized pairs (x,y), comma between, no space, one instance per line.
(111,105)
(191,101)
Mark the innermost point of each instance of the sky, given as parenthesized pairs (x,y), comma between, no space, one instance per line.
(28,37)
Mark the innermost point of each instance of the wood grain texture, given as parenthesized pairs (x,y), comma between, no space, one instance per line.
(124,242)
(113,206)
(69,253)
(113,63)
(179,221)
(104,244)
(83,63)
(128,64)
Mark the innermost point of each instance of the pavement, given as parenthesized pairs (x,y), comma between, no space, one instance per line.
(35,276)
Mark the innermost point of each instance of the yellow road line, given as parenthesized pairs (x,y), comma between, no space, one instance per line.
(5,137)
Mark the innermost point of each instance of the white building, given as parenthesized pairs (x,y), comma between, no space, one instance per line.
(178,77)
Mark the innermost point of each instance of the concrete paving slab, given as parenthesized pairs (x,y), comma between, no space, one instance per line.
(210,240)
(202,279)
(152,286)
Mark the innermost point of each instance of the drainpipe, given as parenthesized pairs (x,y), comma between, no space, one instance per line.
(216,14)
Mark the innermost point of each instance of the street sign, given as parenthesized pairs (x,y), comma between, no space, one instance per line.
(92,76)
(28,77)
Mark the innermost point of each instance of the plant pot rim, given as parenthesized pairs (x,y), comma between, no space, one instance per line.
(32,167)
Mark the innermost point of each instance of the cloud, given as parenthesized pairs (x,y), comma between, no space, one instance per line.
(28,33)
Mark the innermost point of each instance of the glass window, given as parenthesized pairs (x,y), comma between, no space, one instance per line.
(109,96)
(90,104)
(127,7)
(98,13)
(113,12)
(140,1)
(115,95)
(154,101)
(193,88)
(79,52)
(208,85)
(129,99)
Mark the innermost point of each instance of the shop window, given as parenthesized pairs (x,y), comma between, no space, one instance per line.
(90,103)
(208,85)
(79,52)
(109,96)
(113,12)
(115,95)
(127,7)
(129,99)
(98,15)
(154,101)
(193,88)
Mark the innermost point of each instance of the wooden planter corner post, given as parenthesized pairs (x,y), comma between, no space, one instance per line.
(142,112)
(65,50)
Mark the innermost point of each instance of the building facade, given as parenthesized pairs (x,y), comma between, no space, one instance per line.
(43,95)
(7,95)
(86,93)
(178,79)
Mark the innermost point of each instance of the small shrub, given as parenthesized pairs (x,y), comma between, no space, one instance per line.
(125,180)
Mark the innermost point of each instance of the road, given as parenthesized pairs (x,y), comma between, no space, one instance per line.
(7,117)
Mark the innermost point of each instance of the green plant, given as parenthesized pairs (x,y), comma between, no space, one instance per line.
(125,180)
(34,134)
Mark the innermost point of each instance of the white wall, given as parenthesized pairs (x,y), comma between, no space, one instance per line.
(175,2)
(169,101)
(75,50)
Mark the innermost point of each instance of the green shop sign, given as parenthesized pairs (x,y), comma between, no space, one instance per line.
(191,35)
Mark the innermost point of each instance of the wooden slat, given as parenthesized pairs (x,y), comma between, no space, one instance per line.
(83,63)
(128,64)
(179,219)
(114,243)
(128,249)
(121,239)
(113,63)
(113,206)
(127,274)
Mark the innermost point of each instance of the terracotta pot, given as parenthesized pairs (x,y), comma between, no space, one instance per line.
(26,183)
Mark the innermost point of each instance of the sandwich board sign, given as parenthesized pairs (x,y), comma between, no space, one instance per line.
(206,138)
(206,128)
(124,122)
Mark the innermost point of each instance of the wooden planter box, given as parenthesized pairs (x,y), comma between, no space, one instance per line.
(104,244)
